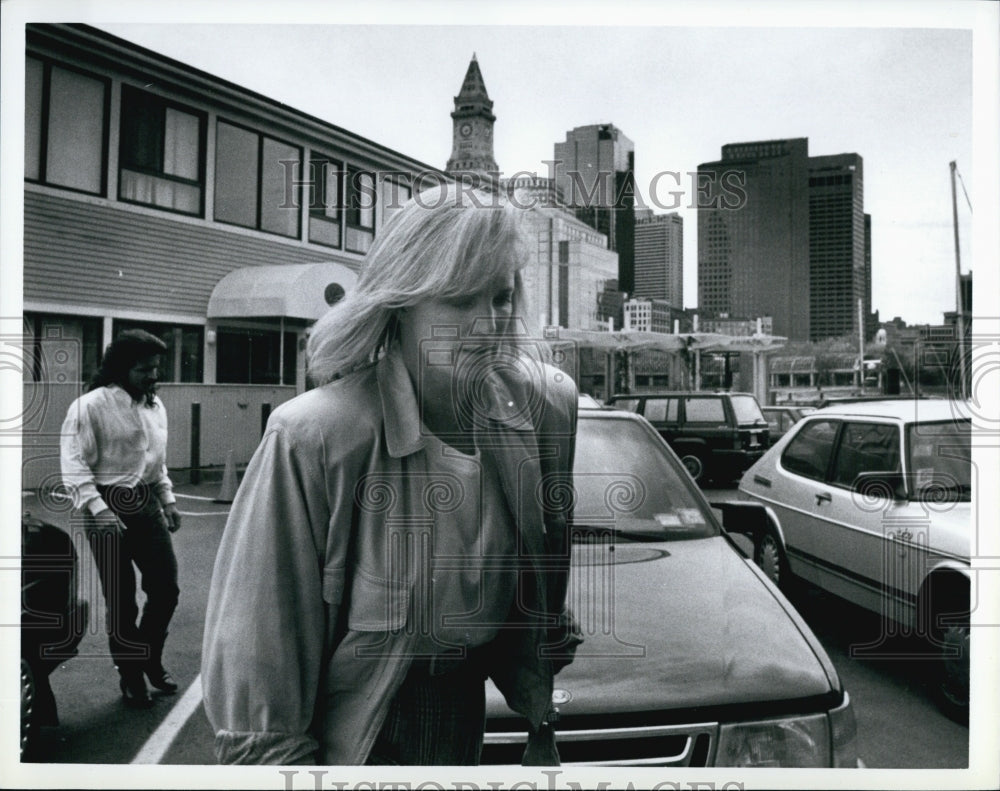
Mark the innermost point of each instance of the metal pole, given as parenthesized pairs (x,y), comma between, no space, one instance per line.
(960,319)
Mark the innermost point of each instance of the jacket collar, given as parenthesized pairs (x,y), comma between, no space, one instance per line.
(400,412)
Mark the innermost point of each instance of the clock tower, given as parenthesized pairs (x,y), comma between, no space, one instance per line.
(472,128)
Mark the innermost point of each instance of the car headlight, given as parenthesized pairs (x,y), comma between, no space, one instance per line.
(787,741)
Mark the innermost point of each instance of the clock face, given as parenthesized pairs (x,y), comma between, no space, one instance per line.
(465,130)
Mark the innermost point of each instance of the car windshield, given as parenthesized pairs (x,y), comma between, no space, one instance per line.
(626,485)
(939,458)
(746,409)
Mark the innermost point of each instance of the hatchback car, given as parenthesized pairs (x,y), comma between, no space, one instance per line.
(691,657)
(781,418)
(716,435)
(871,502)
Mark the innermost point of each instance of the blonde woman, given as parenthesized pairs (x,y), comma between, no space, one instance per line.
(401,532)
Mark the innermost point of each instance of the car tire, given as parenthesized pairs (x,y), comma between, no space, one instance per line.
(948,633)
(694,465)
(770,558)
(952,676)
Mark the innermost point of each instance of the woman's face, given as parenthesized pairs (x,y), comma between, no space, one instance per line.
(442,338)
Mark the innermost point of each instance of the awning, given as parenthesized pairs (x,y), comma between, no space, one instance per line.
(294,291)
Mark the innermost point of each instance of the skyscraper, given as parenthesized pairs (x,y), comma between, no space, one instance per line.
(595,171)
(753,234)
(837,260)
(783,234)
(472,127)
(659,259)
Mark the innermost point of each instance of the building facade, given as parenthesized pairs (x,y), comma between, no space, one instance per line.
(594,169)
(159,196)
(783,234)
(839,281)
(659,259)
(753,234)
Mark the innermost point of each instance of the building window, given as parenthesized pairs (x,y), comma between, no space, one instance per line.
(65,127)
(395,192)
(60,349)
(161,161)
(359,202)
(183,361)
(255,178)
(255,357)
(326,200)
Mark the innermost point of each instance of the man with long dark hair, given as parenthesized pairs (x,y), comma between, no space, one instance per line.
(113,456)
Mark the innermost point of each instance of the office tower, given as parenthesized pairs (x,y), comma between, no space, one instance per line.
(472,127)
(838,272)
(659,259)
(595,171)
(753,234)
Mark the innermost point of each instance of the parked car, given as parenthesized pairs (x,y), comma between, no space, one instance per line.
(781,418)
(871,502)
(53,621)
(691,656)
(716,435)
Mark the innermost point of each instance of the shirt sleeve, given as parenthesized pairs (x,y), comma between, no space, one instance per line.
(163,486)
(266,621)
(77,455)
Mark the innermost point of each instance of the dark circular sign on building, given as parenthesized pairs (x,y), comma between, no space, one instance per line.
(333,293)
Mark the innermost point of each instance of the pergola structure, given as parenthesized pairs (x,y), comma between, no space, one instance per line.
(627,341)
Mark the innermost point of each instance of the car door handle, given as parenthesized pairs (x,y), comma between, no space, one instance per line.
(822,498)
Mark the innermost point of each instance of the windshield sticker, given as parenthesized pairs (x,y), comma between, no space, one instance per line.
(668,520)
(690,516)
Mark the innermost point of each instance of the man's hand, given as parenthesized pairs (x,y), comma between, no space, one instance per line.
(173,517)
(106,520)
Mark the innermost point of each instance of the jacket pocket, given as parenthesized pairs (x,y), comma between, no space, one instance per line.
(377,605)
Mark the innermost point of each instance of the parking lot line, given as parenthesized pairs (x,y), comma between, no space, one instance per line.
(156,746)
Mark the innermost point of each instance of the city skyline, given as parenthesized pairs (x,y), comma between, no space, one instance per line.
(899,97)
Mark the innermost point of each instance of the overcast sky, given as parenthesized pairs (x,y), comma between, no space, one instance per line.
(900,96)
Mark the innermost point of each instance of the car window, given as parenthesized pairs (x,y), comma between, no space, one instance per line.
(704,410)
(628,404)
(939,459)
(746,408)
(809,451)
(866,447)
(661,410)
(625,483)
(774,420)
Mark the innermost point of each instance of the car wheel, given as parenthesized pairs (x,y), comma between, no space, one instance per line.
(27,709)
(693,464)
(770,557)
(953,678)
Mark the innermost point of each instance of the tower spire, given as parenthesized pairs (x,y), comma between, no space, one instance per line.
(472,126)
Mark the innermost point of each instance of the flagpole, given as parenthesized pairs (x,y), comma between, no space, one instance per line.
(960,318)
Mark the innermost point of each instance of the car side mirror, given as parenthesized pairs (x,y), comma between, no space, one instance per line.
(743,518)
(884,484)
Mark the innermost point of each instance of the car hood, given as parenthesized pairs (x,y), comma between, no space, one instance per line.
(679,624)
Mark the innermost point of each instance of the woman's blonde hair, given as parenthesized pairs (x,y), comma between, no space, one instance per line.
(447,242)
